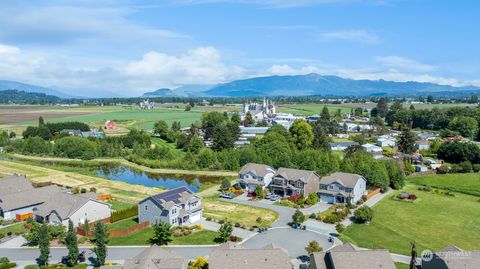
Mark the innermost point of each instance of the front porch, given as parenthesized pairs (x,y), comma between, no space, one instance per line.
(286,192)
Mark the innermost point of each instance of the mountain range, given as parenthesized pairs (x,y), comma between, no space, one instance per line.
(14,85)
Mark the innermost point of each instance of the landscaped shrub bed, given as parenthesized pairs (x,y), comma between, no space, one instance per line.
(186,230)
(335,213)
(124,214)
(6,264)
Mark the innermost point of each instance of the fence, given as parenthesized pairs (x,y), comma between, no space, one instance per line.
(81,231)
(373,193)
(116,233)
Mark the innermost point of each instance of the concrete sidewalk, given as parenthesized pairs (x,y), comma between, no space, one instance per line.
(213,226)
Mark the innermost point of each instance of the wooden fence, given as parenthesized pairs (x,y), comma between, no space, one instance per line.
(116,233)
(373,193)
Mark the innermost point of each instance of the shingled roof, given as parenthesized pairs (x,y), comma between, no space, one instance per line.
(260,170)
(233,256)
(14,184)
(156,257)
(173,197)
(64,204)
(453,257)
(347,179)
(296,174)
(28,197)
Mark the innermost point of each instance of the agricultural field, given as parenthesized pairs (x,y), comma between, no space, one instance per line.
(433,221)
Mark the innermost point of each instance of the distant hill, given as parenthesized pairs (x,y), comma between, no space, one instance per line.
(315,84)
(15,85)
(22,97)
(165,92)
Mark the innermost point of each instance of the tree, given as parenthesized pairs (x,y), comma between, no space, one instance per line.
(456,152)
(320,138)
(430,99)
(160,128)
(325,114)
(75,147)
(205,158)
(279,129)
(101,240)
(176,126)
(382,107)
(210,120)
(249,119)
(225,231)
(258,192)
(406,141)
(36,145)
(44,245)
(313,246)
(41,122)
(312,199)
(225,184)
(162,234)
(199,263)
(298,217)
(236,118)
(363,214)
(466,126)
(301,134)
(72,244)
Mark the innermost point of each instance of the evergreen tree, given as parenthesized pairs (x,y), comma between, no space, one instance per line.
(44,245)
(313,246)
(406,141)
(236,118)
(225,231)
(325,114)
(101,239)
(72,245)
(41,122)
(162,234)
(320,138)
(382,107)
(249,119)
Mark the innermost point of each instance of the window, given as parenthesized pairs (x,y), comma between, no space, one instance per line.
(146,207)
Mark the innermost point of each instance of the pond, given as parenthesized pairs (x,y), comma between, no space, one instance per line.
(125,174)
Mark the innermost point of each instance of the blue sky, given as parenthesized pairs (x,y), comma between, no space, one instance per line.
(123,47)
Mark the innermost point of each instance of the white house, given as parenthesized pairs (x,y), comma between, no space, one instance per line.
(385,142)
(370,148)
(339,187)
(179,206)
(252,175)
(341,146)
(63,207)
(422,144)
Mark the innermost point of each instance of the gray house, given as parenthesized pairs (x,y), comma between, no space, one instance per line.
(19,197)
(453,257)
(154,257)
(288,182)
(348,256)
(339,187)
(179,206)
(252,175)
(233,256)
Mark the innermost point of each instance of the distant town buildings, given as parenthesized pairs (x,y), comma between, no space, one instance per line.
(146,104)
(260,112)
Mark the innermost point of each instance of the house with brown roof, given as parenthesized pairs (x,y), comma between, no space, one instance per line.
(179,206)
(154,257)
(63,207)
(233,256)
(349,256)
(19,197)
(340,187)
(288,182)
(453,257)
(253,175)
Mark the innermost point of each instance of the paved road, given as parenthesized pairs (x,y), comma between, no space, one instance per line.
(284,212)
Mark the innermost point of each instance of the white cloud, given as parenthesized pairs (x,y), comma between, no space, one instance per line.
(405,64)
(361,36)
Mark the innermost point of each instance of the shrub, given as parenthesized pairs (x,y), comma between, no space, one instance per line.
(298,217)
(364,198)
(312,199)
(2,235)
(237,224)
(331,218)
(312,216)
(124,214)
(425,188)
(363,214)
(339,227)
(412,197)
(258,220)
(209,218)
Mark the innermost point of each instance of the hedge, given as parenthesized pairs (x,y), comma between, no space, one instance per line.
(124,214)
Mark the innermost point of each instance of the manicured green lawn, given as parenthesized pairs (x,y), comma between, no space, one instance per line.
(466,183)
(243,214)
(401,265)
(123,224)
(16,228)
(433,221)
(119,205)
(141,238)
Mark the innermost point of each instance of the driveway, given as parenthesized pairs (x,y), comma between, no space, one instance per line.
(317,208)
(285,213)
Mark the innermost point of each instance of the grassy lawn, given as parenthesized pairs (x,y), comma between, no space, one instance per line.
(123,224)
(433,221)
(17,228)
(401,265)
(141,238)
(465,183)
(120,205)
(173,146)
(245,215)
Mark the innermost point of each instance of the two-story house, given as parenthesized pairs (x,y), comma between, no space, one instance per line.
(339,187)
(252,175)
(179,206)
(288,182)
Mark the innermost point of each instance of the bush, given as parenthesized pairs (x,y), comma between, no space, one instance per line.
(124,214)
(412,197)
(312,199)
(298,217)
(258,220)
(2,235)
(237,224)
(208,218)
(426,188)
(363,214)
(8,265)
(339,227)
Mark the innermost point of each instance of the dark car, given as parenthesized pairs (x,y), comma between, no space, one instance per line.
(303,266)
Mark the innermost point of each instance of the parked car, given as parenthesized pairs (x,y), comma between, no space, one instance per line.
(274,197)
(269,195)
(227,195)
(303,266)
(250,194)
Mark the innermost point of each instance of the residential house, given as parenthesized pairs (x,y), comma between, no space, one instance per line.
(420,168)
(422,145)
(349,256)
(18,197)
(385,142)
(233,256)
(370,148)
(63,207)
(179,206)
(154,257)
(288,182)
(453,257)
(339,187)
(254,175)
(110,125)
(341,146)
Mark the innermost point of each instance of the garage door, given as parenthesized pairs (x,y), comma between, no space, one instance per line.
(326,199)
(195,218)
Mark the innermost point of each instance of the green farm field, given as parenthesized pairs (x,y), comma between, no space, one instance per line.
(468,183)
(433,221)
